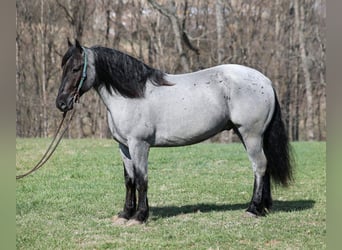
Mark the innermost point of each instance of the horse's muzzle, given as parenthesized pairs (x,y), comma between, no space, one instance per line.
(64,103)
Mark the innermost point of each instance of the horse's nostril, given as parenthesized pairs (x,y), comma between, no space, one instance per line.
(61,105)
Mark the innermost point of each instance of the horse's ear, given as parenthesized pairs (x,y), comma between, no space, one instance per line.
(69,43)
(78,45)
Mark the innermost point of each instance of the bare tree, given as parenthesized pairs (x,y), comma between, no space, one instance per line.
(171,15)
(220,31)
(77,12)
(285,40)
(300,28)
(42,28)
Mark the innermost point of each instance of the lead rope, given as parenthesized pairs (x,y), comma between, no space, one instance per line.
(51,149)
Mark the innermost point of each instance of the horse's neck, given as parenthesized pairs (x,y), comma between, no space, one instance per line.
(112,101)
(105,96)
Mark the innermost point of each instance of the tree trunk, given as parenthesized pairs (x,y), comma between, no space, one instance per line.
(277,45)
(321,89)
(119,29)
(177,32)
(220,29)
(299,19)
(43,69)
(295,113)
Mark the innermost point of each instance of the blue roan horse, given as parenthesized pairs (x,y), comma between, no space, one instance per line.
(149,108)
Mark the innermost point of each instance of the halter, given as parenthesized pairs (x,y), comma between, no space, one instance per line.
(84,74)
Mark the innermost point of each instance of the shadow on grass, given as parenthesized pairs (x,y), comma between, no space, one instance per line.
(278,206)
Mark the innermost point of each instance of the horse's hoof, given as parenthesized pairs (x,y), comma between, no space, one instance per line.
(133,222)
(250,215)
(118,220)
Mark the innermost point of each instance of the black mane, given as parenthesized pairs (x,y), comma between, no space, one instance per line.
(123,73)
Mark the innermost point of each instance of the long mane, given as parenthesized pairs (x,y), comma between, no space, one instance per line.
(123,73)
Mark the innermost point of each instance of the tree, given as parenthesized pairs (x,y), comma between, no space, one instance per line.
(300,28)
(219,30)
(175,23)
(285,40)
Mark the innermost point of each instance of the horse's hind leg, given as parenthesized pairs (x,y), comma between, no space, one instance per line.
(261,198)
(130,203)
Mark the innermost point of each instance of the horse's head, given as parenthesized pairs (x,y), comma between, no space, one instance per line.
(74,82)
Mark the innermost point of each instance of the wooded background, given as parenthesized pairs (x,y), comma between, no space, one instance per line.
(284,39)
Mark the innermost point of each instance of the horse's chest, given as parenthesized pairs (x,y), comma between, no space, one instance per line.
(116,130)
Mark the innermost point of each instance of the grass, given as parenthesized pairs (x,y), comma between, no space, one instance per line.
(197,196)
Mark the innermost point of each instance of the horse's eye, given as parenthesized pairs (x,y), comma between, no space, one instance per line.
(76,69)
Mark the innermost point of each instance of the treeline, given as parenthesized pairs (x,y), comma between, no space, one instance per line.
(285,40)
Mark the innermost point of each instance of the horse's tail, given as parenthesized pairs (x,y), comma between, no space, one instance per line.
(277,149)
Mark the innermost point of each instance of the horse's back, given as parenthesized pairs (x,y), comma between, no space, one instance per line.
(246,95)
(238,84)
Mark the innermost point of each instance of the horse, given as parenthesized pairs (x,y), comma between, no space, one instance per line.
(150,108)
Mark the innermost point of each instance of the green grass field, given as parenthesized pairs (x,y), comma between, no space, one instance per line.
(197,195)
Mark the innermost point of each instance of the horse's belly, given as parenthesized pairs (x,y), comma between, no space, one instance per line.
(184,125)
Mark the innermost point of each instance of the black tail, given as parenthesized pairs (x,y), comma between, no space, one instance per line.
(277,149)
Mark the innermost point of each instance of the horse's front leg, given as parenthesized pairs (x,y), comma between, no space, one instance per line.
(130,202)
(139,152)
